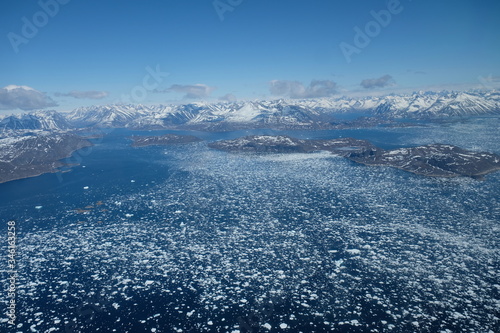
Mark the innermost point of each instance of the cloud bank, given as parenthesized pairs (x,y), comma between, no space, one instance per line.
(295,89)
(25,98)
(191,91)
(93,94)
(228,98)
(381,82)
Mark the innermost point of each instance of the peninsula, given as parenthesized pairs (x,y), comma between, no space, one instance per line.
(435,160)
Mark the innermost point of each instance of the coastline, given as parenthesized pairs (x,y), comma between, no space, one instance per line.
(46,165)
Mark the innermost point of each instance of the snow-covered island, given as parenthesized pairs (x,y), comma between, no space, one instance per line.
(435,160)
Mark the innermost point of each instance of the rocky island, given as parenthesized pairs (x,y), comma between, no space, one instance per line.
(32,155)
(436,160)
(167,139)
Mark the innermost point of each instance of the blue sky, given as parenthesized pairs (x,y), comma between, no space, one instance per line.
(98,52)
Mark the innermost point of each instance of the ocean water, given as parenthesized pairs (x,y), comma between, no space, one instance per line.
(184,238)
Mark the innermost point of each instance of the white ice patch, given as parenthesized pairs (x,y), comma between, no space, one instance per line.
(246,224)
(296,157)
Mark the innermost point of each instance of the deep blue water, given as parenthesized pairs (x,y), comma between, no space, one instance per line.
(182,238)
(108,167)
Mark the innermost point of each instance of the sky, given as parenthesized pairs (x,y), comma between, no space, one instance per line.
(63,54)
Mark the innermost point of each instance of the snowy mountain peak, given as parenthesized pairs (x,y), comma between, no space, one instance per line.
(38,120)
(289,112)
(281,113)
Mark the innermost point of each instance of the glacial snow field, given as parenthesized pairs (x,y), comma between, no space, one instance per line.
(227,242)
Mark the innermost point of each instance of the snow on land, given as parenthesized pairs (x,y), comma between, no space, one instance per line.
(296,112)
(477,134)
(317,243)
(9,141)
(245,114)
(298,157)
(279,139)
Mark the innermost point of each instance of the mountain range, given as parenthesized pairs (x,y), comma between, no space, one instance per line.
(34,143)
(307,113)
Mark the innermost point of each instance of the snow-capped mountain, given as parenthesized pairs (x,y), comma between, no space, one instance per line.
(34,135)
(322,111)
(416,105)
(256,112)
(106,115)
(421,105)
(39,120)
(307,113)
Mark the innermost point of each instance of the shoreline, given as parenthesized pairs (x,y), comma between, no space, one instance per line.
(51,165)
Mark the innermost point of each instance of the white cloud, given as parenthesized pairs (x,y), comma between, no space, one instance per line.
(14,97)
(191,91)
(380,82)
(92,94)
(228,98)
(295,89)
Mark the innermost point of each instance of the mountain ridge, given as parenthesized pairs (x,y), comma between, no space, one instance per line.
(318,113)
